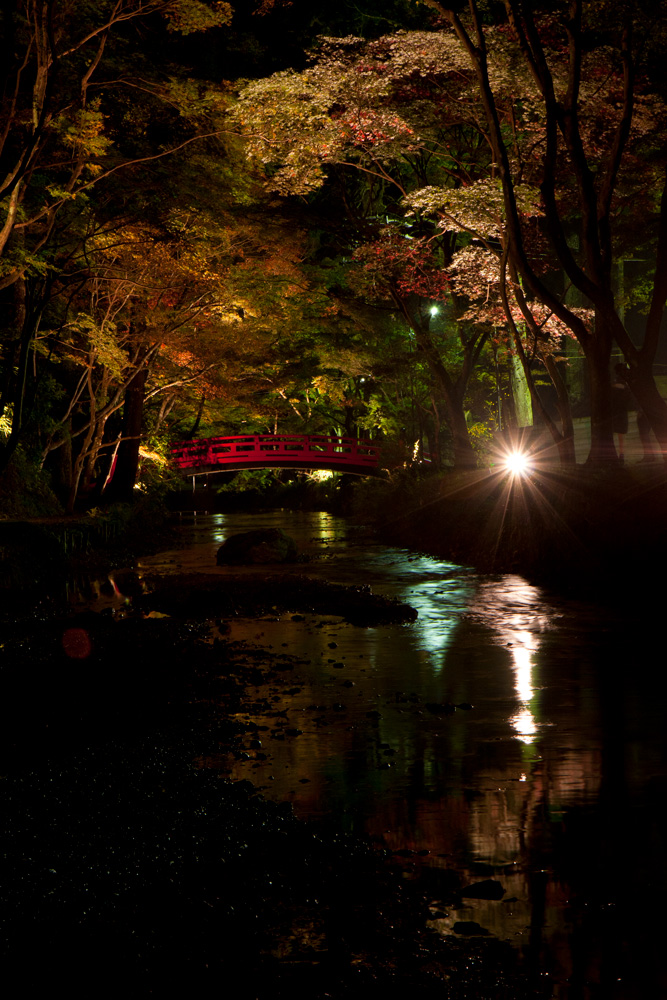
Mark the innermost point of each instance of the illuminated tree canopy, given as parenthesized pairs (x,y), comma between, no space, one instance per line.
(435,197)
(530,178)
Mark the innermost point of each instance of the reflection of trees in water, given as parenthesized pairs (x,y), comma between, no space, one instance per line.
(592,817)
(565,816)
(516,818)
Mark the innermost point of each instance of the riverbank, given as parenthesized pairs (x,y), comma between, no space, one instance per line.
(36,553)
(581,531)
(130,858)
(578,530)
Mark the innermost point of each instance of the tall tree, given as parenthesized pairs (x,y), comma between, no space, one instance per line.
(61,140)
(385,112)
(595,131)
(543,113)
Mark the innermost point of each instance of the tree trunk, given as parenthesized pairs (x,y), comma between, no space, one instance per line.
(564,440)
(598,356)
(17,355)
(565,445)
(434,440)
(127,462)
(522,387)
(453,390)
(89,470)
(453,394)
(77,468)
(645,391)
(166,407)
(464,453)
(194,430)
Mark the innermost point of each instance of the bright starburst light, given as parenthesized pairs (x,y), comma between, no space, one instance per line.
(518,463)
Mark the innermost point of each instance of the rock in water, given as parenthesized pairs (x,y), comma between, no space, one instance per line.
(263,545)
(489,888)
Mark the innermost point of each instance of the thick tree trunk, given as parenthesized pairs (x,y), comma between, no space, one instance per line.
(453,394)
(645,391)
(19,331)
(453,390)
(464,453)
(127,461)
(434,438)
(640,376)
(565,444)
(598,356)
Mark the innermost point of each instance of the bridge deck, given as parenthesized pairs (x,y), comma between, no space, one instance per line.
(266,451)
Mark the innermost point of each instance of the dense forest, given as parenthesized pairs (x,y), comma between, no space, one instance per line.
(407,222)
(398,732)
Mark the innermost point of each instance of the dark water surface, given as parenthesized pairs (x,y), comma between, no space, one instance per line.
(549,778)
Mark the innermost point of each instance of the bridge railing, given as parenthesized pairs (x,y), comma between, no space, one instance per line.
(275,448)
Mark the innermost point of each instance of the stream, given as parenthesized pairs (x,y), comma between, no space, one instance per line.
(509,736)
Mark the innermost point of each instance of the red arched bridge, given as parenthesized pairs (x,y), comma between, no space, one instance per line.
(270,451)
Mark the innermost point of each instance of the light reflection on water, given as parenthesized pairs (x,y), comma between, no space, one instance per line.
(546,782)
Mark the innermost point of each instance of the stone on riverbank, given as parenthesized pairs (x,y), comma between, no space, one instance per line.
(263,545)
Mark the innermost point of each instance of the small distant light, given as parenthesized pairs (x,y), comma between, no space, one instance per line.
(434,310)
(518,463)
